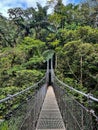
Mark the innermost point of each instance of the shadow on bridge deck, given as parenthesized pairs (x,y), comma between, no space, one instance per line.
(50,117)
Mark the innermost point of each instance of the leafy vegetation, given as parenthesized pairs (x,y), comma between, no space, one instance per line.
(29,36)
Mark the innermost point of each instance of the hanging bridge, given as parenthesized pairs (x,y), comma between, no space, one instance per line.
(48,105)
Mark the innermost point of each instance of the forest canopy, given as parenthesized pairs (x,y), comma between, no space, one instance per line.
(71,31)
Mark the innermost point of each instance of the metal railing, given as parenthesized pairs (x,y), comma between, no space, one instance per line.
(21,110)
(75,115)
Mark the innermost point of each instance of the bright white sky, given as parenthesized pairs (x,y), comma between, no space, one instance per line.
(6,4)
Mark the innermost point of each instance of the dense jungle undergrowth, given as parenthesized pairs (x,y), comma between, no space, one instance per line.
(70,30)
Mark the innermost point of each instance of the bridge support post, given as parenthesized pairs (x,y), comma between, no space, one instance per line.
(50,70)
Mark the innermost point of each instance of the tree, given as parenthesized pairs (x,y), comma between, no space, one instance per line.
(80,63)
(8,33)
(29,19)
(87,34)
(92,6)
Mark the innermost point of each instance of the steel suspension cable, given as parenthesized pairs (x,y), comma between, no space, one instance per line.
(21,92)
(88,96)
(84,94)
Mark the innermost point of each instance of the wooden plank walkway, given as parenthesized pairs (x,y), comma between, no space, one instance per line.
(50,117)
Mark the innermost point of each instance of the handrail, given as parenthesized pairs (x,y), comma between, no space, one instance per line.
(21,92)
(91,111)
(84,94)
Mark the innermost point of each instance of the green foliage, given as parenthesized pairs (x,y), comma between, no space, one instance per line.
(73,82)
(27,77)
(32,47)
(7,33)
(87,34)
(11,124)
(4,126)
(73,52)
(48,54)
(56,20)
(9,90)
(55,43)
(21,66)
(34,62)
(30,37)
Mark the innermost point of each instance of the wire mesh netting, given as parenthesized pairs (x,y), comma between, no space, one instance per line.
(75,115)
(21,112)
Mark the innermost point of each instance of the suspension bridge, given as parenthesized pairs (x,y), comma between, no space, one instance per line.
(47,105)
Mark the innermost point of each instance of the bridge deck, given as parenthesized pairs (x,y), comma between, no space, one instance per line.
(50,117)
